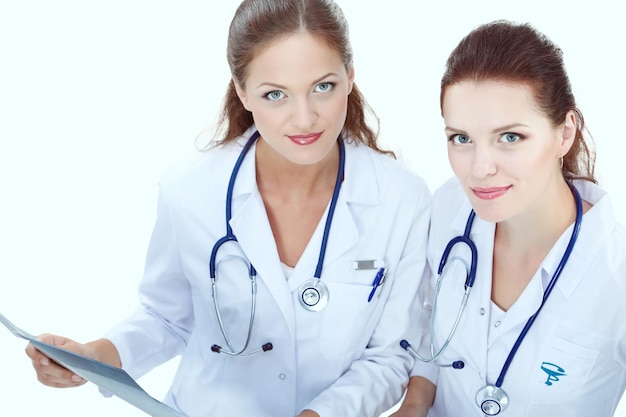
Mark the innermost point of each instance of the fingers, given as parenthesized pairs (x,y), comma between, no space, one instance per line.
(35,355)
(49,372)
(54,375)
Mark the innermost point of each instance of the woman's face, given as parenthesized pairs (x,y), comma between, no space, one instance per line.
(297,90)
(502,148)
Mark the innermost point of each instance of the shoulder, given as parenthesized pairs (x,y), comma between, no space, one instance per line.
(202,171)
(450,209)
(389,175)
(600,227)
(449,192)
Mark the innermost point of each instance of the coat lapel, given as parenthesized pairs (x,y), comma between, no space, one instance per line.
(343,235)
(359,186)
(251,226)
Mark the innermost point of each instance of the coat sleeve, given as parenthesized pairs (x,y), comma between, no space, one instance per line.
(425,299)
(376,381)
(422,343)
(160,326)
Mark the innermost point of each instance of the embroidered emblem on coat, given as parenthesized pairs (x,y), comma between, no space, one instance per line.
(553,371)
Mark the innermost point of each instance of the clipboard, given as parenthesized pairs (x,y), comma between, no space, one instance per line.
(112,379)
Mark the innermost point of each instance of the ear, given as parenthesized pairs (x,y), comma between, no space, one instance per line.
(567,132)
(241,93)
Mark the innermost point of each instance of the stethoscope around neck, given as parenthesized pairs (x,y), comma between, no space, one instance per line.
(312,293)
(491,399)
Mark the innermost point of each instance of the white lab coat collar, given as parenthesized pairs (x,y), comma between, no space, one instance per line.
(479,227)
(597,225)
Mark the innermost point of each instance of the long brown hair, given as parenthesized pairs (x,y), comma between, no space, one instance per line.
(258,23)
(505,51)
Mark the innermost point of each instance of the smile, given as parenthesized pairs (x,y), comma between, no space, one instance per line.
(490,193)
(305,139)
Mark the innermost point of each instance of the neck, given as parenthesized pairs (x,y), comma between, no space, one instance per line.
(538,229)
(278,175)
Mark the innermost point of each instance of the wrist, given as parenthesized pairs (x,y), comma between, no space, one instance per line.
(308,413)
(104,350)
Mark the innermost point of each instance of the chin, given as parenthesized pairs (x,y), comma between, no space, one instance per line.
(490,214)
(490,218)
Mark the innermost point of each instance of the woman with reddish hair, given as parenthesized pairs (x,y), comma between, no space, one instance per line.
(526,300)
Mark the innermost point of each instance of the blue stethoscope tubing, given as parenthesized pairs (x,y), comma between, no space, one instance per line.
(469,282)
(551,284)
(230,237)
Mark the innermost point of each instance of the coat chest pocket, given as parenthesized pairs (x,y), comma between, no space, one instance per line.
(349,317)
(561,372)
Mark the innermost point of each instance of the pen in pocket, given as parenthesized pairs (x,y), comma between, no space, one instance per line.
(379,280)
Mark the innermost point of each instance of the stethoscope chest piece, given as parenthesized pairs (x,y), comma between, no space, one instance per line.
(313,294)
(492,400)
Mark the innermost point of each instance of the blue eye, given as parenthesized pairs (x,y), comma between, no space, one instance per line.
(509,137)
(459,139)
(324,87)
(275,95)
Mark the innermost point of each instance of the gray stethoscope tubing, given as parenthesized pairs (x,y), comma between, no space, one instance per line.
(230,237)
(435,356)
(469,283)
(233,351)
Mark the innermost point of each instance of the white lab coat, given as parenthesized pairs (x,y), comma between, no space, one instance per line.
(581,328)
(343,361)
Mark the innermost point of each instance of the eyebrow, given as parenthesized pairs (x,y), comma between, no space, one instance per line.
(496,130)
(282,87)
(508,127)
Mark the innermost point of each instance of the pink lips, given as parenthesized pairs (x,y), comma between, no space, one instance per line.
(489,193)
(305,139)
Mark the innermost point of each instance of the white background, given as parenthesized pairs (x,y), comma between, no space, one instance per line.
(98,99)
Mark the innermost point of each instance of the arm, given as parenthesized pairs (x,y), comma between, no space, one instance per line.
(418,399)
(420,393)
(133,342)
(160,326)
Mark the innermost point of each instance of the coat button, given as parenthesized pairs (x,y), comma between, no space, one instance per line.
(282,377)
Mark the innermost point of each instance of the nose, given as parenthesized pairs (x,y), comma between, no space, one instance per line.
(304,114)
(484,162)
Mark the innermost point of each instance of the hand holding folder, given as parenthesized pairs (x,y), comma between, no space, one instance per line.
(112,379)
